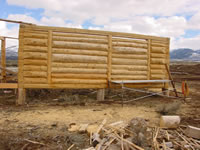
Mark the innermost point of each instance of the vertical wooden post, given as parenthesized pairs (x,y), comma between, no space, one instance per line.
(100,94)
(109,58)
(49,55)
(166,85)
(149,60)
(21,91)
(3,59)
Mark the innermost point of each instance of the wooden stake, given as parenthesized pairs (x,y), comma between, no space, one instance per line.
(3,60)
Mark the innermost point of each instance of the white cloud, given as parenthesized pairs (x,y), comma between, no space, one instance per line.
(192,43)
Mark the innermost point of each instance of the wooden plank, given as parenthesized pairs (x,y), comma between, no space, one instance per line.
(78,76)
(140,81)
(78,81)
(3,59)
(109,57)
(49,61)
(8,85)
(21,96)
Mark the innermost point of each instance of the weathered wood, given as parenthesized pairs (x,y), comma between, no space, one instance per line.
(161,50)
(28,48)
(35,68)
(3,59)
(35,80)
(123,61)
(100,94)
(128,77)
(170,121)
(21,96)
(149,60)
(157,61)
(129,50)
(193,132)
(35,42)
(130,67)
(79,81)
(127,72)
(126,44)
(34,62)
(35,74)
(35,55)
(8,86)
(130,56)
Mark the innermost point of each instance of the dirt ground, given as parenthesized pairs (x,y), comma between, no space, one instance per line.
(48,114)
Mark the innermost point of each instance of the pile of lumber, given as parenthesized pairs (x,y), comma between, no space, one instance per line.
(138,135)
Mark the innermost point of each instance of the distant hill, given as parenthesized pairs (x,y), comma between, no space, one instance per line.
(185,54)
(11,53)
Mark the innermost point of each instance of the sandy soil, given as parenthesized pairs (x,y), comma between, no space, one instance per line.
(47,116)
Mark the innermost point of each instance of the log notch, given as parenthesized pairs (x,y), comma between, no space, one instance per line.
(3,59)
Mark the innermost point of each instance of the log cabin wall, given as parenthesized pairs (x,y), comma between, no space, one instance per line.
(55,57)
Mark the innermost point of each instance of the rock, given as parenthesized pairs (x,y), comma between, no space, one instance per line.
(170,121)
(83,128)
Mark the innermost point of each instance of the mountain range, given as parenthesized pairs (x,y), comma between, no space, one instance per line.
(177,54)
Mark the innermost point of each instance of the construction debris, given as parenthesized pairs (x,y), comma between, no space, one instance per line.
(169,121)
(138,135)
(193,132)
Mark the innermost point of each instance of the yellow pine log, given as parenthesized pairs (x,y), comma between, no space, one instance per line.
(130,56)
(78,81)
(79,39)
(158,50)
(34,68)
(35,42)
(35,74)
(34,62)
(157,76)
(130,67)
(77,45)
(79,70)
(155,89)
(28,48)
(35,35)
(129,50)
(156,66)
(157,44)
(129,40)
(126,72)
(79,65)
(79,58)
(158,61)
(35,80)
(126,44)
(128,77)
(79,51)
(156,55)
(161,41)
(35,55)
(69,86)
(121,61)
(61,34)
(157,71)
(79,76)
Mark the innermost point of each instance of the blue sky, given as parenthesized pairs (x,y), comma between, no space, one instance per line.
(177,19)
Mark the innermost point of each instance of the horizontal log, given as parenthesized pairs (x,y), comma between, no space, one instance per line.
(94,32)
(130,67)
(34,74)
(68,86)
(79,58)
(28,48)
(155,89)
(158,50)
(34,68)
(157,44)
(157,71)
(126,72)
(79,51)
(129,40)
(79,39)
(78,81)
(158,76)
(35,35)
(156,55)
(79,70)
(34,30)
(35,55)
(160,41)
(76,45)
(126,44)
(61,34)
(35,42)
(157,61)
(128,77)
(155,66)
(34,62)
(35,80)
(79,76)
(121,61)
(130,56)
(79,65)
(138,85)
(129,50)
(8,85)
